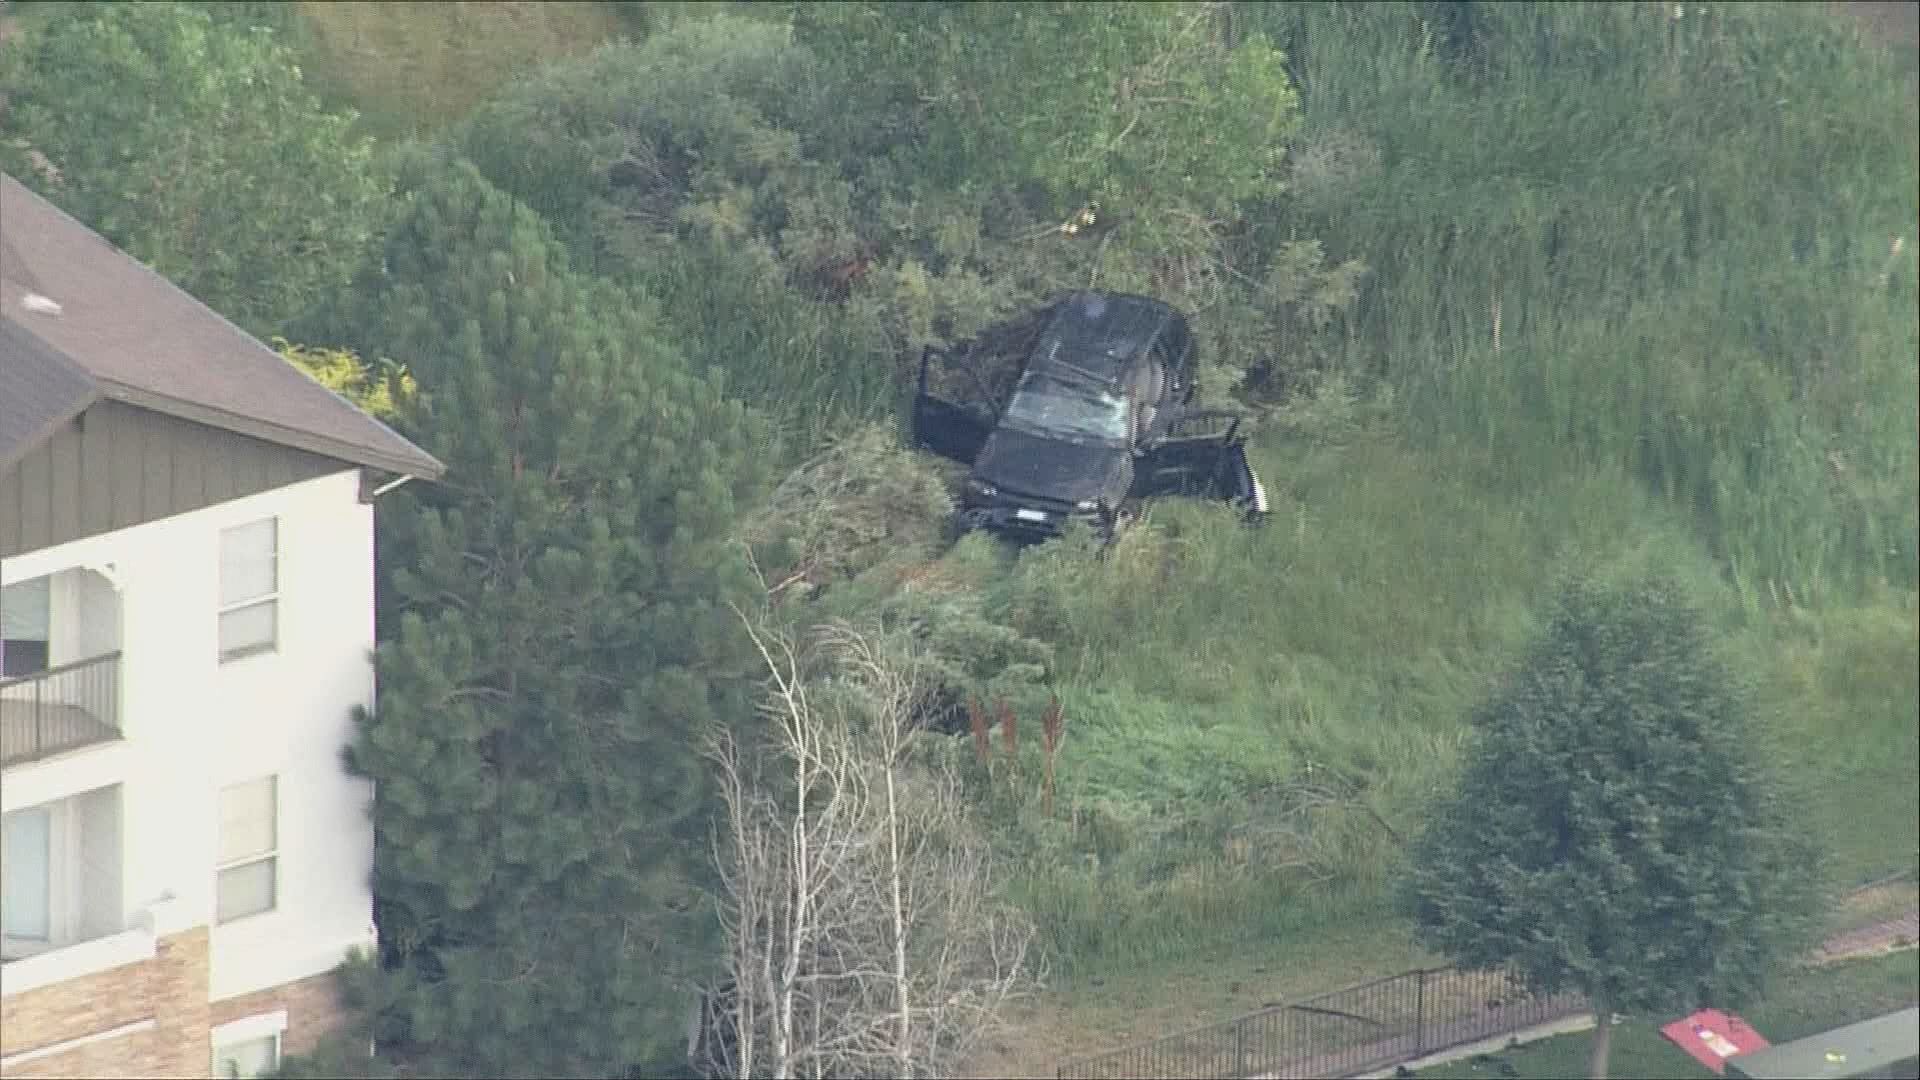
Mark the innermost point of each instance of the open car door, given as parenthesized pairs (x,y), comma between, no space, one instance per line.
(1203,456)
(943,427)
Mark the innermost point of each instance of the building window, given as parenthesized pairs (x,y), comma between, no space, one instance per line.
(249,589)
(23,628)
(249,868)
(60,873)
(241,1060)
(27,864)
(249,1047)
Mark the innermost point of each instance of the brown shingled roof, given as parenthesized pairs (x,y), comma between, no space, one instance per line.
(126,333)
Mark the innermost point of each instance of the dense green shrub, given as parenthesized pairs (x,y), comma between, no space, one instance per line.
(194,144)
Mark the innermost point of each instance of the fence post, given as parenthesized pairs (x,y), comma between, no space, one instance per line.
(1419,1012)
(1240,1050)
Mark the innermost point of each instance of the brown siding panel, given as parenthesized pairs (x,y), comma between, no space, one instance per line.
(10,515)
(63,450)
(124,470)
(279,471)
(246,468)
(36,489)
(120,466)
(219,478)
(156,479)
(96,455)
(253,471)
(190,473)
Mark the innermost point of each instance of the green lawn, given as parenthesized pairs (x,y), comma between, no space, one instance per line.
(1816,1000)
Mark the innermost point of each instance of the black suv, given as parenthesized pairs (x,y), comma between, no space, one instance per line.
(1079,411)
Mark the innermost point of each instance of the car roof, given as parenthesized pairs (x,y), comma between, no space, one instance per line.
(1100,333)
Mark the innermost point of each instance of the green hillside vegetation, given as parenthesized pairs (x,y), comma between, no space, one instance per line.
(1517,291)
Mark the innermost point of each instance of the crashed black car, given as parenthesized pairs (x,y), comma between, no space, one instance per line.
(1080,411)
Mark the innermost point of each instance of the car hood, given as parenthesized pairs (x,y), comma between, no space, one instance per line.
(1050,468)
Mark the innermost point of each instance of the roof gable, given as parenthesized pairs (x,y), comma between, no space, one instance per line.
(43,391)
(138,338)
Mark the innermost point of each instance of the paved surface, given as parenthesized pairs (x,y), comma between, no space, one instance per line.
(1463,1033)
(1572,1024)
(1879,937)
(1469,1034)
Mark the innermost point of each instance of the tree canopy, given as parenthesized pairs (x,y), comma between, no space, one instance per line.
(812,174)
(1614,831)
(1154,112)
(561,634)
(194,145)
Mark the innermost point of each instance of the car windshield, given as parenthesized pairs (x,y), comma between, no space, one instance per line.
(1062,409)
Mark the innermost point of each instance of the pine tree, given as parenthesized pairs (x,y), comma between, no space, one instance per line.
(562,631)
(1613,831)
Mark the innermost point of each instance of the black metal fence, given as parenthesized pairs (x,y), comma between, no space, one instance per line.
(63,708)
(1359,1029)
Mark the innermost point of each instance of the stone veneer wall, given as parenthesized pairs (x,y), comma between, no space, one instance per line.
(171,991)
(313,1008)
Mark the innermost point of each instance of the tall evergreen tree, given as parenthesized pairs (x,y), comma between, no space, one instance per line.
(1614,832)
(562,632)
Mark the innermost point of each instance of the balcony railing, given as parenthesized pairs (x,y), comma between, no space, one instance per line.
(60,709)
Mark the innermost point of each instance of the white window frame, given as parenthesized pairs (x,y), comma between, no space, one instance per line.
(63,872)
(271,855)
(269,598)
(226,1036)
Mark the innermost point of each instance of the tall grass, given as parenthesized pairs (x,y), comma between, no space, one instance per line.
(1842,688)
(1603,235)
(1257,717)
(816,371)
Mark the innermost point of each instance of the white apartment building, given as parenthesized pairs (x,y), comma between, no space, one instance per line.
(186,626)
